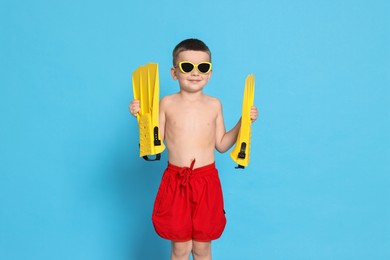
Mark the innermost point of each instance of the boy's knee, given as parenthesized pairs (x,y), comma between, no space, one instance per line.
(201,249)
(181,249)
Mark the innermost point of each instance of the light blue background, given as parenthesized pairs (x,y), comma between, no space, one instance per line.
(72,185)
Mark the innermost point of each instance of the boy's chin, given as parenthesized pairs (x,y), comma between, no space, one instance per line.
(192,89)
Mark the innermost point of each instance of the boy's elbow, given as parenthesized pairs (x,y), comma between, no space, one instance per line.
(220,149)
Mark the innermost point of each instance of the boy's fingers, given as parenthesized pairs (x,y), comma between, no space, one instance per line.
(134,107)
(254,113)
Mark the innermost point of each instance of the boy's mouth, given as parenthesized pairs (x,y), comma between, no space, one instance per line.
(194,80)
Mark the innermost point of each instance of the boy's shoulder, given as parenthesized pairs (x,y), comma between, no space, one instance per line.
(169,98)
(212,99)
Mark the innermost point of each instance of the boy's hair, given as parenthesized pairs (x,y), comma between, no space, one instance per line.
(190,45)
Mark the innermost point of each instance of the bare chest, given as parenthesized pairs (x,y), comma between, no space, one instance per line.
(200,119)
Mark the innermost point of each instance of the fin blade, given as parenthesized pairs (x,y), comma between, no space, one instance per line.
(240,153)
(135,76)
(144,100)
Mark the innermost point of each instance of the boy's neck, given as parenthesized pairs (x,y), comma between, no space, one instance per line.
(191,95)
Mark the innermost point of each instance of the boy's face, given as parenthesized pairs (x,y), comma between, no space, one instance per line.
(194,80)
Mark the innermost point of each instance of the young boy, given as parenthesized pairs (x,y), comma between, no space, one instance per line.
(189,205)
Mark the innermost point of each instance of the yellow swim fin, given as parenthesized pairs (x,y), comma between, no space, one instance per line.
(146,88)
(240,152)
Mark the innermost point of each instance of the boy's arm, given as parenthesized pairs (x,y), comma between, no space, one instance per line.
(162,118)
(225,140)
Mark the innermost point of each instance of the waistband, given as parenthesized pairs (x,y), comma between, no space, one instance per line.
(203,169)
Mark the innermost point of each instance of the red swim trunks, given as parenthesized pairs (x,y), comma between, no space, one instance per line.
(189,204)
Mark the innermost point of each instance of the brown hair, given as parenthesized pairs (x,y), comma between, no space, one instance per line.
(190,45)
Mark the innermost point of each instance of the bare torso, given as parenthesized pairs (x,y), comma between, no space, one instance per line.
(190,128)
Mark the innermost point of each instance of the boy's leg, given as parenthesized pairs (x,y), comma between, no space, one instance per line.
(181,250)
(201,250)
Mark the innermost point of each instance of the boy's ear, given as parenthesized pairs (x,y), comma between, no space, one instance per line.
(209,75)
(173,73)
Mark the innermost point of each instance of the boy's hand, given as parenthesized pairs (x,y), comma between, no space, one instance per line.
(134,107)
(254,113)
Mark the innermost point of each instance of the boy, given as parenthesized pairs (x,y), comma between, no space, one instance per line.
(189,205)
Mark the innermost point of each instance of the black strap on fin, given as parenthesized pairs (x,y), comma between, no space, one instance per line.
(158,157)
(242,154)
(157,142)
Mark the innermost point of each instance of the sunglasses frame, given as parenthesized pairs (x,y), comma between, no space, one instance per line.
(195,66)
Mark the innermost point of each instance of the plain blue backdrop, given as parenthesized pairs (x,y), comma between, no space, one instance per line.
(73,187)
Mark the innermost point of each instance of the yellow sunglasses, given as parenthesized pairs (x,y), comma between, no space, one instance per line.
(187,67)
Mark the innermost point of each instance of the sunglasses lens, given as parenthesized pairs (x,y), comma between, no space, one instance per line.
(204,67)
(186,67)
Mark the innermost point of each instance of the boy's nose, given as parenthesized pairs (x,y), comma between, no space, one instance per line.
(195,72)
